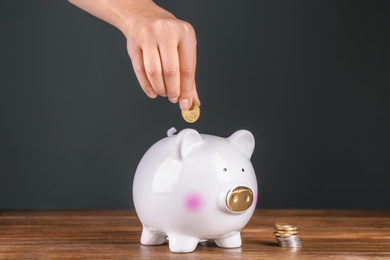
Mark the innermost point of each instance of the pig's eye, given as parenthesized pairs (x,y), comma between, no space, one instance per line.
(243,170)
(224,169)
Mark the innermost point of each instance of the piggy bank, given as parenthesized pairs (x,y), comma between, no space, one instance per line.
(191,187)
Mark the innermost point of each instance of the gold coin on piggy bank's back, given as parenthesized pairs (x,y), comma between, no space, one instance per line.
(192,114)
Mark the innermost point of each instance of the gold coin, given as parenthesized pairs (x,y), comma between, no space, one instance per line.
(291,232)
(287,231)
(278,234)
(284,226)
(192,114)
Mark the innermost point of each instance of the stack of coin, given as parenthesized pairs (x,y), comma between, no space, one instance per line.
(287,235)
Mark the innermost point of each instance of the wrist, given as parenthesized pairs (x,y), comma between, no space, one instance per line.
(127,13)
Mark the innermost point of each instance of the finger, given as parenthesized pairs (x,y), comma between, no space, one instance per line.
(196,96)
(170,70)
(139,69)
(187,61)
(153,69)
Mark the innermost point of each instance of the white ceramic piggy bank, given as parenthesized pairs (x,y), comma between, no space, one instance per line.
(190,187)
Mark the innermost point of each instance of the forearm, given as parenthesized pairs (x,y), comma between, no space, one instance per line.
(118,13)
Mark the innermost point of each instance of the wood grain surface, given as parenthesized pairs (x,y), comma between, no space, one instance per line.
(115,234)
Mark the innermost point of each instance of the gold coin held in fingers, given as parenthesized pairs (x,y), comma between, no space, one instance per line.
(192,114)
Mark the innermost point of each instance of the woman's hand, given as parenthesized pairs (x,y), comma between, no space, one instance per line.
(162,48)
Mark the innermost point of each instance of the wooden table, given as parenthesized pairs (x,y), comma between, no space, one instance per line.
(115,234)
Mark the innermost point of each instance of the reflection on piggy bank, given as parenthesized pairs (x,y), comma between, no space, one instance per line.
(190,187)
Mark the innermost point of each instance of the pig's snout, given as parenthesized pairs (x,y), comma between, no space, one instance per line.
(239,199)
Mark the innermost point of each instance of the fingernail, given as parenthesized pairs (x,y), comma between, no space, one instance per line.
(173,100)
(184,104)
(152,94)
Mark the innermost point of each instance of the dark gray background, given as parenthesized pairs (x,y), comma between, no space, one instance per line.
(310,80)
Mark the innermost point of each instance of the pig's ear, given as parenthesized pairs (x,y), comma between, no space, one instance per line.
(243,141)
(185,141)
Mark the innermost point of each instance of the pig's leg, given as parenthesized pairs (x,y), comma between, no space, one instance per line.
(151,238)
(230,241)
(179,243)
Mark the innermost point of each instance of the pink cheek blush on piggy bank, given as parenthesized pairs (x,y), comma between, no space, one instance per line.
(190,187)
